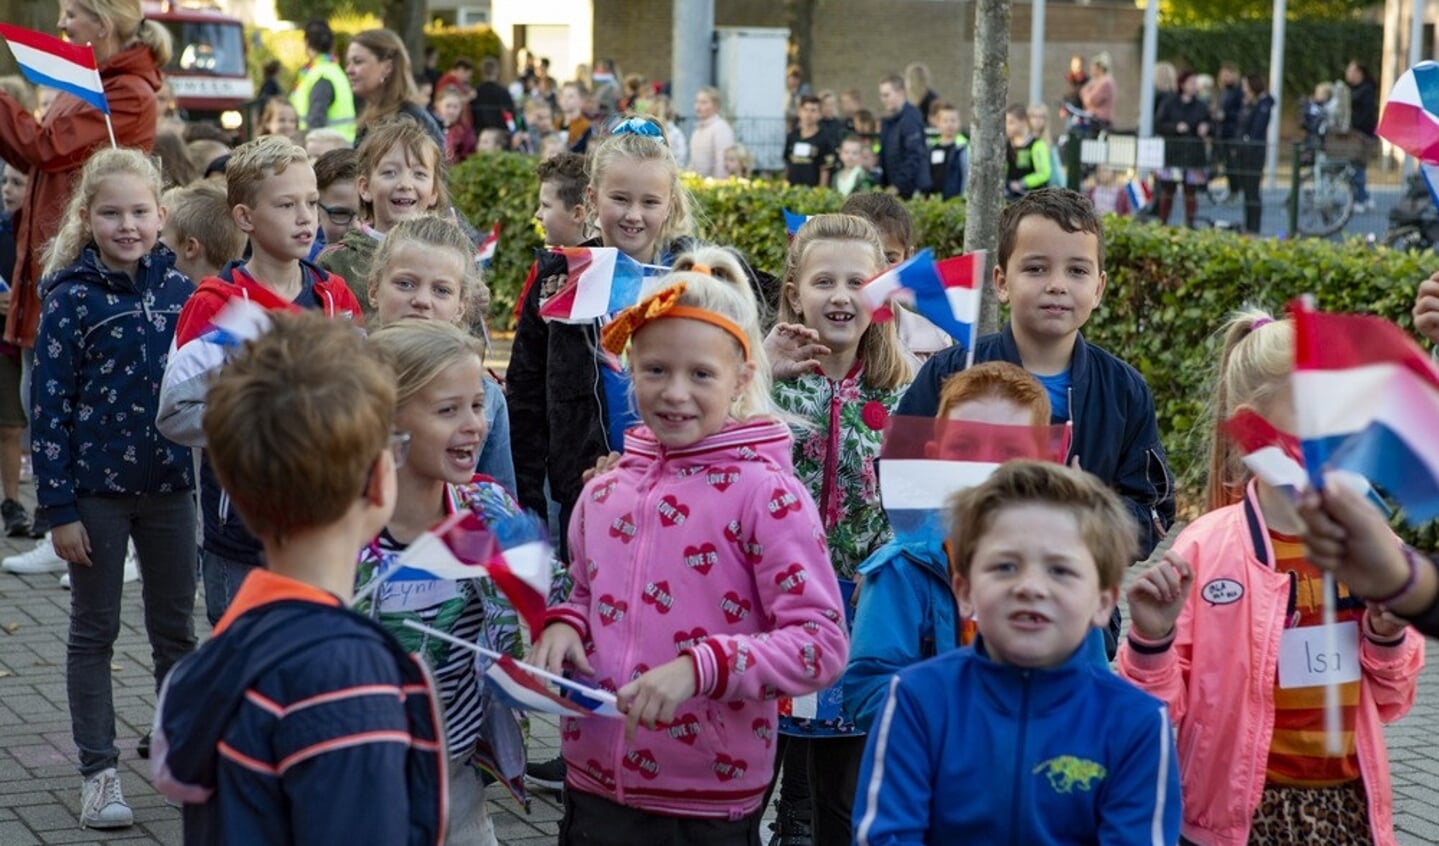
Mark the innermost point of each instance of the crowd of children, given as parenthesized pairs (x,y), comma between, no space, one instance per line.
(709,463)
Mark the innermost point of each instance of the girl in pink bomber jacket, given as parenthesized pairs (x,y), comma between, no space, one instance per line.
(1228,631)
(702,587)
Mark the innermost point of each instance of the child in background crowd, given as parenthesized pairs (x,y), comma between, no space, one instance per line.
(808,151)
(561,213)
(755,611)
(13,418)
(279,118)
(1107,194)
(199,230)
(336,173)
(459,136)
(400,174)
(301,721)
(1027,155)
(103,476)
(1067,752)
(492,140)
(949,157)
(738,161)
(853,176)
(273,199)
(1037,116)
(425,270)
(844,403)
(1236,597)
(318,142)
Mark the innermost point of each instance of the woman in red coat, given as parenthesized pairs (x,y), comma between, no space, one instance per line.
(130,52)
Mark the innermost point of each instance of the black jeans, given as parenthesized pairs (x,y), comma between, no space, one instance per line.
(592,820)
(823,772)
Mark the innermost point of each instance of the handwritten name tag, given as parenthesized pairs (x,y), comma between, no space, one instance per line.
(936,156)
(416,596)
(1306,660)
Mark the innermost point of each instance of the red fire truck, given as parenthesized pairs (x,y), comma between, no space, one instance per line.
(207,72)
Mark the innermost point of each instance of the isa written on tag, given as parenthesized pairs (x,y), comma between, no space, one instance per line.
(1306,660)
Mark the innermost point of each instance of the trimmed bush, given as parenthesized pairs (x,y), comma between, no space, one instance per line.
(1169,289)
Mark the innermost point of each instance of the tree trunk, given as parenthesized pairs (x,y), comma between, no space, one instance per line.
(407,19)
(800,15)
(987,151)
(30,14)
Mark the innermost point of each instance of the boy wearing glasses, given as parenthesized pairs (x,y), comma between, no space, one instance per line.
(274,200)
(301,721)
(335,175)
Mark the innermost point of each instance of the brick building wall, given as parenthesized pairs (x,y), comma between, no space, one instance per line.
(858,41)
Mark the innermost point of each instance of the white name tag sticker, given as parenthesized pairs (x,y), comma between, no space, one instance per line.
(416,595)
(803,149)
(1307,660)
(936,156)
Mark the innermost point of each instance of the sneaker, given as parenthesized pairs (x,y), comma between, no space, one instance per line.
(102,805)
(41,559)
(132,569)
(549,775)
(17,519)
(40,525)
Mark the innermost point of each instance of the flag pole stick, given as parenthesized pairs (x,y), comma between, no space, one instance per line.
(111,128)
(1333,744)
(593,693)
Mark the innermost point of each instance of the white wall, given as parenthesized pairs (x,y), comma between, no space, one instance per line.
(577,15)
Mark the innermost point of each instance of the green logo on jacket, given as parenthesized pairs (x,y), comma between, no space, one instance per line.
(1068,772)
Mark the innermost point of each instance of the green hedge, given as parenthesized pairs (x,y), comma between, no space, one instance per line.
(1314,51)
(1169,289)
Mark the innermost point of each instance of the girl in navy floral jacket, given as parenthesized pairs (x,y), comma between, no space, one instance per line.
(103,473)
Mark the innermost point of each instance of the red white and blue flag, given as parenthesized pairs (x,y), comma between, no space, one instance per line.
(946,292)
(793,221)
(1275,457)
(486,252)
(1365,400)
(513,682)
(1137,190)
(602,281)
(512,552)
(49,61)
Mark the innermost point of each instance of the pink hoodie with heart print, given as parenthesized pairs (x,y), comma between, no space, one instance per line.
(714,550)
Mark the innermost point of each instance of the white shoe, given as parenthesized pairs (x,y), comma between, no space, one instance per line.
(132,569)
(41,559)
(102,805)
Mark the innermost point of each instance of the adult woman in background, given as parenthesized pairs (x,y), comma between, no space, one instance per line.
(378,67)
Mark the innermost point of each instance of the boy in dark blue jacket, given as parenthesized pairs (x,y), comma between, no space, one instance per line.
(1069,752)
(301,721)
(1050,271)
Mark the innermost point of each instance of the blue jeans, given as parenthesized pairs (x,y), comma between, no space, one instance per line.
(222,577)
(1361,181)
(163,528)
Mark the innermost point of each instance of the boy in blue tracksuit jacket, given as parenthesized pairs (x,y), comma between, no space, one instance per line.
(1051,274)
(1068,752)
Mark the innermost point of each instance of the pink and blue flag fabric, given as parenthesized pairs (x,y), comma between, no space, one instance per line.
(1366,399)
(49,61)
(513,552)
(1139,194)
(520,689)
(793,221)
(946,292)
(924,461)
(602,281)
(486,252)
(1411,114)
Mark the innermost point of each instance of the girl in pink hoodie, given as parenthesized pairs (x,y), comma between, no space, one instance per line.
(1228,630)
(702,586)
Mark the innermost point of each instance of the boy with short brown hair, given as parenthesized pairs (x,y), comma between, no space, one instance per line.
(199,230)
(301,721)
(1071,752)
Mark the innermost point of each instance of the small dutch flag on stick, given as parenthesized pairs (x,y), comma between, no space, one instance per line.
(46,60)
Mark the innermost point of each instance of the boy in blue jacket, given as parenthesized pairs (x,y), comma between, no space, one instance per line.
(1069,752)
(1050,271)
(301,721)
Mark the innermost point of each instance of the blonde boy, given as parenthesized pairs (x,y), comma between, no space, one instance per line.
(301,721)
(198,228)
(1070,752)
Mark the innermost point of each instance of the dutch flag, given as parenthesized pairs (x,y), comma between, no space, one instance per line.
(1139,194)
(602,281)
(946,292)
(46,60)
(486,252)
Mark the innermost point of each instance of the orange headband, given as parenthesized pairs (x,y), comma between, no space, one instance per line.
(661,305)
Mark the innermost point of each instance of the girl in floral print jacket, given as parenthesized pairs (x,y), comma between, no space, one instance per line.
(840,406)
(702,591)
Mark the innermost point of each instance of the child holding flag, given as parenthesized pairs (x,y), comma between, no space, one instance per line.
(440,383)
(750,606)
(1234,600)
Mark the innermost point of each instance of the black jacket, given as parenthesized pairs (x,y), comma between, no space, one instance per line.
(1182,149)
(492,102)
(1364,107)
(903,152)
(1115,434)
(1231,103)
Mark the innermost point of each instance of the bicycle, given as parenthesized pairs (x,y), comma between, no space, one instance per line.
(1326,193)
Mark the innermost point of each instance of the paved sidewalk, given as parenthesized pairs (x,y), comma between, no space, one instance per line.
(39,785)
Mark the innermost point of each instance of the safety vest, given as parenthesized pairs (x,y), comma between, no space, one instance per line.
(341,116)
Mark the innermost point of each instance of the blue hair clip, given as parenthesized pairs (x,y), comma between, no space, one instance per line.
(637,125)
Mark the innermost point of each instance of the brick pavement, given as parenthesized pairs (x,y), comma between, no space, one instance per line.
(39,785)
